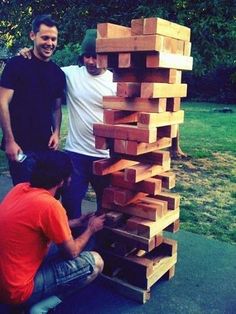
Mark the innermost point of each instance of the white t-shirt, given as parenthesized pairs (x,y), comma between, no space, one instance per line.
(84,101)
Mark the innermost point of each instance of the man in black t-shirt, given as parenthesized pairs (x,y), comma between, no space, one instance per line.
(30,101)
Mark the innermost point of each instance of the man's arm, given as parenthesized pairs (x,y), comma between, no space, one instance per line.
(57,118)
(11,147)
(74,247)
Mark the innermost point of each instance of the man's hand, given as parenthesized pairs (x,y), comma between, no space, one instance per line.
(81,221)
(12,149)
(25,52)
(54,141)
(96,223)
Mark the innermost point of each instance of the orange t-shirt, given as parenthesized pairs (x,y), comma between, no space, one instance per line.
(30,218)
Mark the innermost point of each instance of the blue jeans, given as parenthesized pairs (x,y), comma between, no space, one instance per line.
(57,276)
(82,175)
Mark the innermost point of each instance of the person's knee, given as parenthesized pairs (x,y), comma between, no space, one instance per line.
(99,263)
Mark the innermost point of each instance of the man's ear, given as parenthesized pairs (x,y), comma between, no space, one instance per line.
(32,35)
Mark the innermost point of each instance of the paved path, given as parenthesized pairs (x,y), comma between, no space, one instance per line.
(204,283)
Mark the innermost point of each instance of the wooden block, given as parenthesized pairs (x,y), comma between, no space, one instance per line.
(129,44)
(107,60)
(102,142)
(135,104)
(109,30)
(149,229)
(150,186)
(124,197)
(106,166)
(156,90)
(156,157)
(172,199)
(137,27)
(169,60)
(111,116)
(113,219)
(160,26)
(168,131)
(139,75)
(128,290)
(174,227)
(135,148)
(151,120)
(164,265)
(141,172)
(128,89)
(150,266)
(167,178)
(125,132)
(102,61)
(141,208)
(187,48)
(173,104)
(170,273)
(119,234)
(132,60)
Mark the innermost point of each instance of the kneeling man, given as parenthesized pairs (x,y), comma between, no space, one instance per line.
(31,219)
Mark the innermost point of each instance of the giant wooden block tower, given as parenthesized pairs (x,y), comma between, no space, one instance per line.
(147,60)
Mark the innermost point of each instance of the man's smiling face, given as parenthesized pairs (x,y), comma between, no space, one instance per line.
(45,41)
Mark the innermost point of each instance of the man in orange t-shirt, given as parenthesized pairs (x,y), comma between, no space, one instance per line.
(30,219)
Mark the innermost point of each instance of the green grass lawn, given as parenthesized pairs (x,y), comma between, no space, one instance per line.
(206,180)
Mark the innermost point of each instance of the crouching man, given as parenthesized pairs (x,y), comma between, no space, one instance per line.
(31,219)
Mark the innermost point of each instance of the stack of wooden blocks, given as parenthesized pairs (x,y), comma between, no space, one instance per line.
(140,123)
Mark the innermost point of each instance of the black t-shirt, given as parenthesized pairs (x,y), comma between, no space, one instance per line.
(36,84)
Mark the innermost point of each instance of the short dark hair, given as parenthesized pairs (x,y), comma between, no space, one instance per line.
(45,19)
(51,168)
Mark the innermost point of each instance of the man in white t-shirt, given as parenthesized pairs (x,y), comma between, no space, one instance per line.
(86,86)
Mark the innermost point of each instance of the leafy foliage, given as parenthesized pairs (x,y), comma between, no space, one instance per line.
(212,24)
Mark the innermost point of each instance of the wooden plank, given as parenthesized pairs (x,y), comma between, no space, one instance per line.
(167,178)
(168,131)
(113,219)
(125,132)
(110,30)
(172,199)
(137,26)
(169,60)
(150,186)
(138,75)
(111,116)
(129,44)
(150,266)
(163,266)
(174,227)
(141,172)
(103,142)
(187,48)
(156,90)
(106,166)
(124,197)
(135,148)
(127,290)
(173,104)
(160,26)
(128,89)
(158,157)
(105,60)
(149,229)
(135,104)
(137,241)
(151,120)
(141,208)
